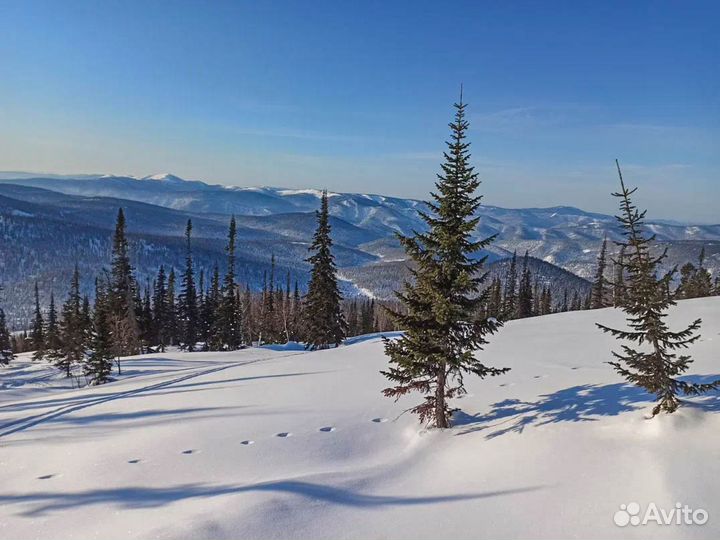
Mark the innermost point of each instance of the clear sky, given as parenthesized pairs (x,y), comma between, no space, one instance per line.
(355,96)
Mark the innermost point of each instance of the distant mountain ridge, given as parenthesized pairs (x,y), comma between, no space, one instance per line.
(280,221)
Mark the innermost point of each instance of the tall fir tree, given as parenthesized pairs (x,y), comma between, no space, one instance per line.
(510,294)
(210,309)
(160,314)
(443,328)
(73,333)
(656,366)
(98,366)
(52,333)
(172,325)
(525,299)
(324,321)
(599,294)
(229,318)
(122,293)
(188,297)
(37,334)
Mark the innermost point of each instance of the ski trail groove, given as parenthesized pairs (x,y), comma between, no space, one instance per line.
(22,424)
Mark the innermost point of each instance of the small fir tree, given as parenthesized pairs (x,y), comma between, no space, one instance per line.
(656,366)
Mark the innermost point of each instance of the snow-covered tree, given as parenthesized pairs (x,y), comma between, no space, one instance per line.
(442,318)
(655,364)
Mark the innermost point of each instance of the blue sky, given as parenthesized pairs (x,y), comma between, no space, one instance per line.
(355,96)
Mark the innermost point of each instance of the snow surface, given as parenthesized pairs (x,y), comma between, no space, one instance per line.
(268,444)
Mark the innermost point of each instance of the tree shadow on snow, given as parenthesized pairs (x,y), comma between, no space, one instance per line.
(583,403)
(145,497)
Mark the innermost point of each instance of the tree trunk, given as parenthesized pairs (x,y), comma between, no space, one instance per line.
(441,420)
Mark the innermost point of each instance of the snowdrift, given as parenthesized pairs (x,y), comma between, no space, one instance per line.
(283,443)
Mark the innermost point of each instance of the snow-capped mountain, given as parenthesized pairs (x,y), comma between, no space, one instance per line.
(34,211)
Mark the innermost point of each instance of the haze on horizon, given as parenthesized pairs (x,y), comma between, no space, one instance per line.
(356,98)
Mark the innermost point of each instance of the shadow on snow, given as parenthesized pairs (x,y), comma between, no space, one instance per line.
(582,403)
(146,497)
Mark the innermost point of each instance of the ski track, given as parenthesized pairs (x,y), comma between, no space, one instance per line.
(23,424)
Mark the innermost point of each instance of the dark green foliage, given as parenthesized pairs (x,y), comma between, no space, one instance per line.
(37,335)
(525,292)
(695,282)
(228,332)
(98,365)
(656,367)
(161,311)
(209,311)
(323,318)
(599,295)
(188,298)
(73,329)
(6,351)
(441,316)
(510,296)
(122,294)
(172,309)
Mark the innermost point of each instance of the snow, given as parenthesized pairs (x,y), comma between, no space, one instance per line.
(164,177)
(265,443)
(315,192)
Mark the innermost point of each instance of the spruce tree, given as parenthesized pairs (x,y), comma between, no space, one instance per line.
(656,366)
(172,310)
(188,297)
(146,324)
(525,292)
(209,311)
(599,289)
(702,281)
(510,295)
(73,333)
(98,365)
(122,293)
(6,341)
(324,321)
(441,316)
(296,316)
(160,314)
(37,334)
(6,350)
(229,317)
(52,333)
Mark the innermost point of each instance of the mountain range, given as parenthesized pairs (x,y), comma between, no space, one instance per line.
(49,222)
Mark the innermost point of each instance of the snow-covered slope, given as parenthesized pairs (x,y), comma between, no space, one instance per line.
(288,444)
